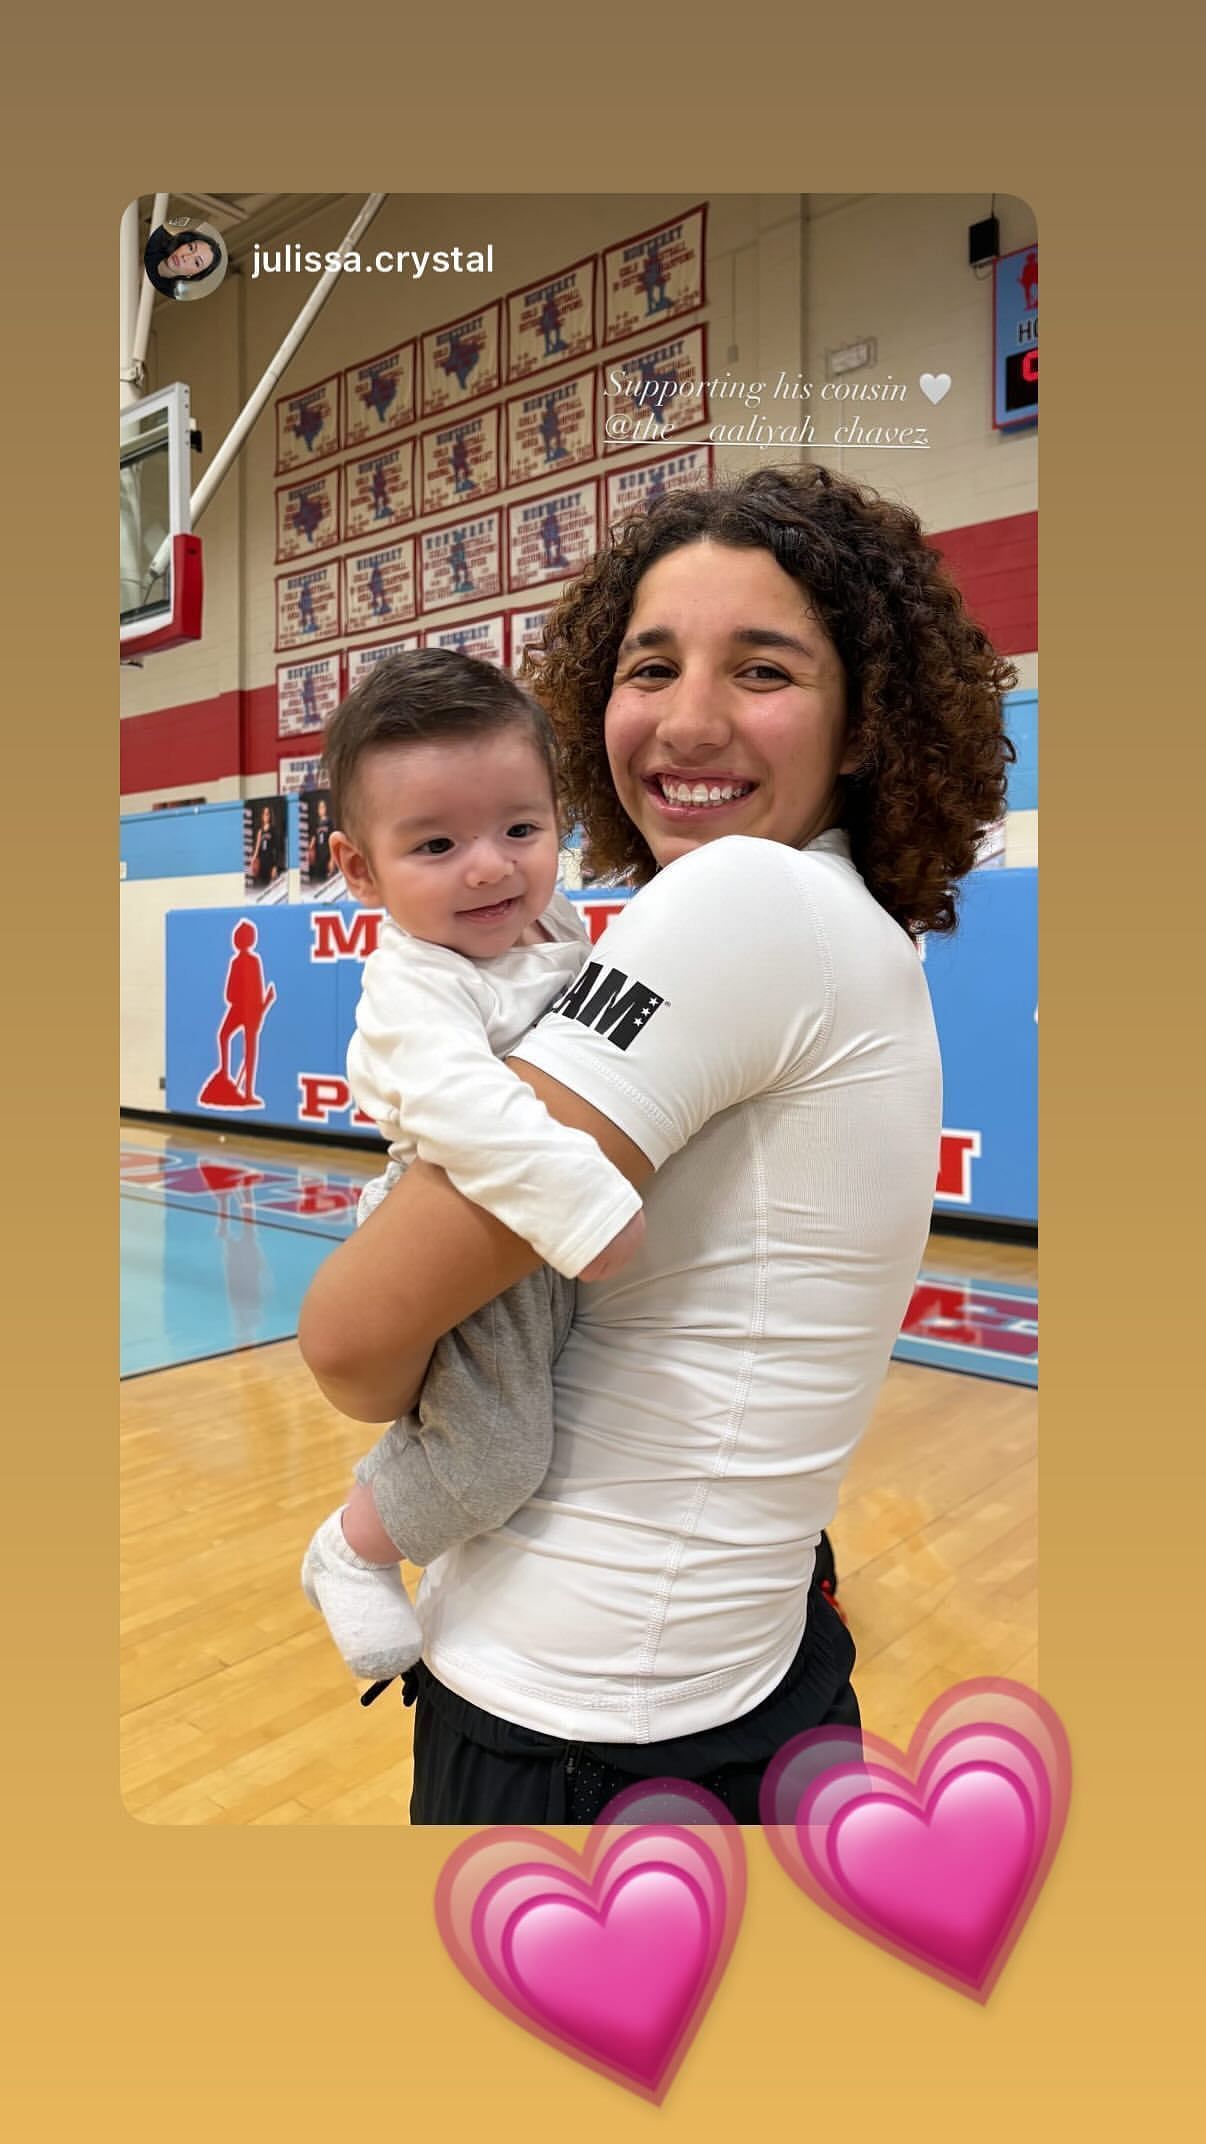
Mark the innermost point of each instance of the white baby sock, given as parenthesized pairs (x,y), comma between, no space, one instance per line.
(366,1605)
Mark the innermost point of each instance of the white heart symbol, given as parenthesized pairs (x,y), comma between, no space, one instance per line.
(935,384)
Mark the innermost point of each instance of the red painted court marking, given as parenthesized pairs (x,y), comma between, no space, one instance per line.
(968,1314)
(948,1317)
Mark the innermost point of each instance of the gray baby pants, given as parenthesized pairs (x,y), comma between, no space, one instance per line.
(480,1442)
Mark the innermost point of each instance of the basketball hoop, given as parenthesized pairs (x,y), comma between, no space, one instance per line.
(161,585)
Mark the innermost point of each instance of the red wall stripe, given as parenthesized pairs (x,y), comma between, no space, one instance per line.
(198,742)
(994,562)
(996,566)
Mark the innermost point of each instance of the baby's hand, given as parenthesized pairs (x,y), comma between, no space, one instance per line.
(618,1252)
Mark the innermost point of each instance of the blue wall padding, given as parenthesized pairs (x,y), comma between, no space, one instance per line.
(983,983)
(1021,721)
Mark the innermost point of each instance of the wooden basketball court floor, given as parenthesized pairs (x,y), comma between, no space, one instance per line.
(235,1706)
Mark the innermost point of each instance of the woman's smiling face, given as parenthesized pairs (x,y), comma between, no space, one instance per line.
(728,706)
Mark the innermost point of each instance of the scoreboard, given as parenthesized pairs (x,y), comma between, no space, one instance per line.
(1015,339)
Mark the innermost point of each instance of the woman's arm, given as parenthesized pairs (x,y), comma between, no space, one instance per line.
(424,1260)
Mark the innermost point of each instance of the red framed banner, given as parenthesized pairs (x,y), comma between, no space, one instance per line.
(307,516)
(306,693)
(551,321)
(307,426)
(307,606)
(462,560)
(295,774)
(462,361)
(551,429)
(484,637)
(460,462)
(655,276)
(379,490)
(652,393)
(551,537)
(379,395)
(379,586)
(526,630)
(361,660)
(630,491)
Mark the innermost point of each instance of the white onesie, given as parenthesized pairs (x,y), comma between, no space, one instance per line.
(424,1063)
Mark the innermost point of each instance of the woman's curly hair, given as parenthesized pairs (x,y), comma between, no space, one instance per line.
(923,684)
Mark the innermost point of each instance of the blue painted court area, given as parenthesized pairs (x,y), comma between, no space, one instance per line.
(216,1254)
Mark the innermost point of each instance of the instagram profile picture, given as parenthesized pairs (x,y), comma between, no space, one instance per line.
(185,261)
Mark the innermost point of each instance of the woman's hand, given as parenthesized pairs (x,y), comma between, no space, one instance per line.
(424,1260)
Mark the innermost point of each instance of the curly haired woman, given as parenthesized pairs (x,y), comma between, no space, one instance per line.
(777,718)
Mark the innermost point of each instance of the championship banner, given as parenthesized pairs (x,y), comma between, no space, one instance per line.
(552,321)
(654,275)
(461,361)
(1015,339)
(306,693)
(551,537)
(307,606)
(550,429)
(362,660)
(379,395)
(307,425)
(652,393)
(631,491)
(297,775)
(307,516)
(527,631)
(460,462)
(486,638)
(462,561)
(379,490)
(379,586)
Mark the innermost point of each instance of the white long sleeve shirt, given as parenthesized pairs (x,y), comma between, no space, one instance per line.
(424,1063)
(760,1027)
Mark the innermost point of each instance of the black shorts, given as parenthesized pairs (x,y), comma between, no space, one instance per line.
(471,1768)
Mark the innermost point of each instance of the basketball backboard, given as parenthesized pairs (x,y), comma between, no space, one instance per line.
(160,558)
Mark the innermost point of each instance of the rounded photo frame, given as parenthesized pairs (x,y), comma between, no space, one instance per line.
(185,260)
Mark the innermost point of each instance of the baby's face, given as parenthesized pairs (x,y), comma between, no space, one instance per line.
(460,840)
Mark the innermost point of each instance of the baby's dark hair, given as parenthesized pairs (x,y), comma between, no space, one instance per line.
(416,697)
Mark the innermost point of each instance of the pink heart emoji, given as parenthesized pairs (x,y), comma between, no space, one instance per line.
(614,1955)
(618,1978)
(937,1856)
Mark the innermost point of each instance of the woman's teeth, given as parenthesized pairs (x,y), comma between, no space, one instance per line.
(702,792)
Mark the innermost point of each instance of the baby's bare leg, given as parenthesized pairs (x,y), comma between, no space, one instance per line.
(362,1529)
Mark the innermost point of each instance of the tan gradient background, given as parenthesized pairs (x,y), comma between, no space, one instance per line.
(183,1984)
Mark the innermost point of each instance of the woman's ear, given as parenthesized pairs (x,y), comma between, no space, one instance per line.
(854,753)
(357,870)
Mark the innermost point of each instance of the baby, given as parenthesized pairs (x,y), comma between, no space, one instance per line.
(443,781)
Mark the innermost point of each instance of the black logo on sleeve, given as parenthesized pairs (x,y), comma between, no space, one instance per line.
(615,1007)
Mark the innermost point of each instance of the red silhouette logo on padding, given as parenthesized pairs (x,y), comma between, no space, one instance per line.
(247,1006)
(1028,278)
